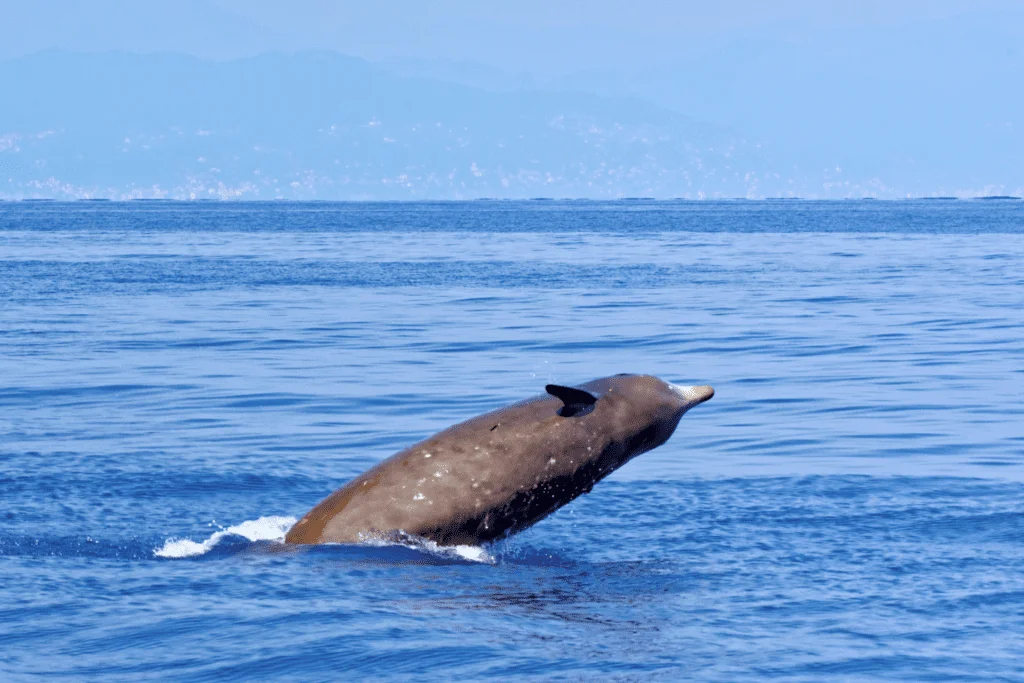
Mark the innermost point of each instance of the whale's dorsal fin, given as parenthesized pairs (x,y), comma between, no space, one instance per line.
(577,402)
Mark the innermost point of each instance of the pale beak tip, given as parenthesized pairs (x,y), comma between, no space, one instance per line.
(695,395)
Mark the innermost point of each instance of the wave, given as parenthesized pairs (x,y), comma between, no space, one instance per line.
(273,529)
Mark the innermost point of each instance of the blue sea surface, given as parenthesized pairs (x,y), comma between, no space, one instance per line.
(180,381)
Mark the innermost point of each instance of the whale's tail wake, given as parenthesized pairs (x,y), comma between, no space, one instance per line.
(272,530)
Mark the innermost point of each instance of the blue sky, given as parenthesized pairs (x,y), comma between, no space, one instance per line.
(543,36)
(535,36)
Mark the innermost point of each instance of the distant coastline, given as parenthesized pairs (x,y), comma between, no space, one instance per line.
(620,200)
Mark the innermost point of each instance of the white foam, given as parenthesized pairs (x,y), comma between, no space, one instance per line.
(274,528)
(471,553)
(263,529)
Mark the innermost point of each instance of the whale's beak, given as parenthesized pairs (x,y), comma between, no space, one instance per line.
(694,395)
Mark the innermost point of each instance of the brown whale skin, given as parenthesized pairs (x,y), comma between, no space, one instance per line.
(499,473)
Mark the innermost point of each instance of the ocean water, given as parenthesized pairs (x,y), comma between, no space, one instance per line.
(180,381)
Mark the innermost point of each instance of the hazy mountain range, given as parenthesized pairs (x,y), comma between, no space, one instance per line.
(928,107)
(320,125)
(926,111)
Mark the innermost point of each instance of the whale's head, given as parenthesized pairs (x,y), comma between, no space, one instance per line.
(651,394)
(643,409)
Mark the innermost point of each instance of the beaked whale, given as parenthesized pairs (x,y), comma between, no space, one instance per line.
(497,474)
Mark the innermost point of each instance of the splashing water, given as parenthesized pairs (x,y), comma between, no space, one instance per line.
(271,528)
(471,553)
